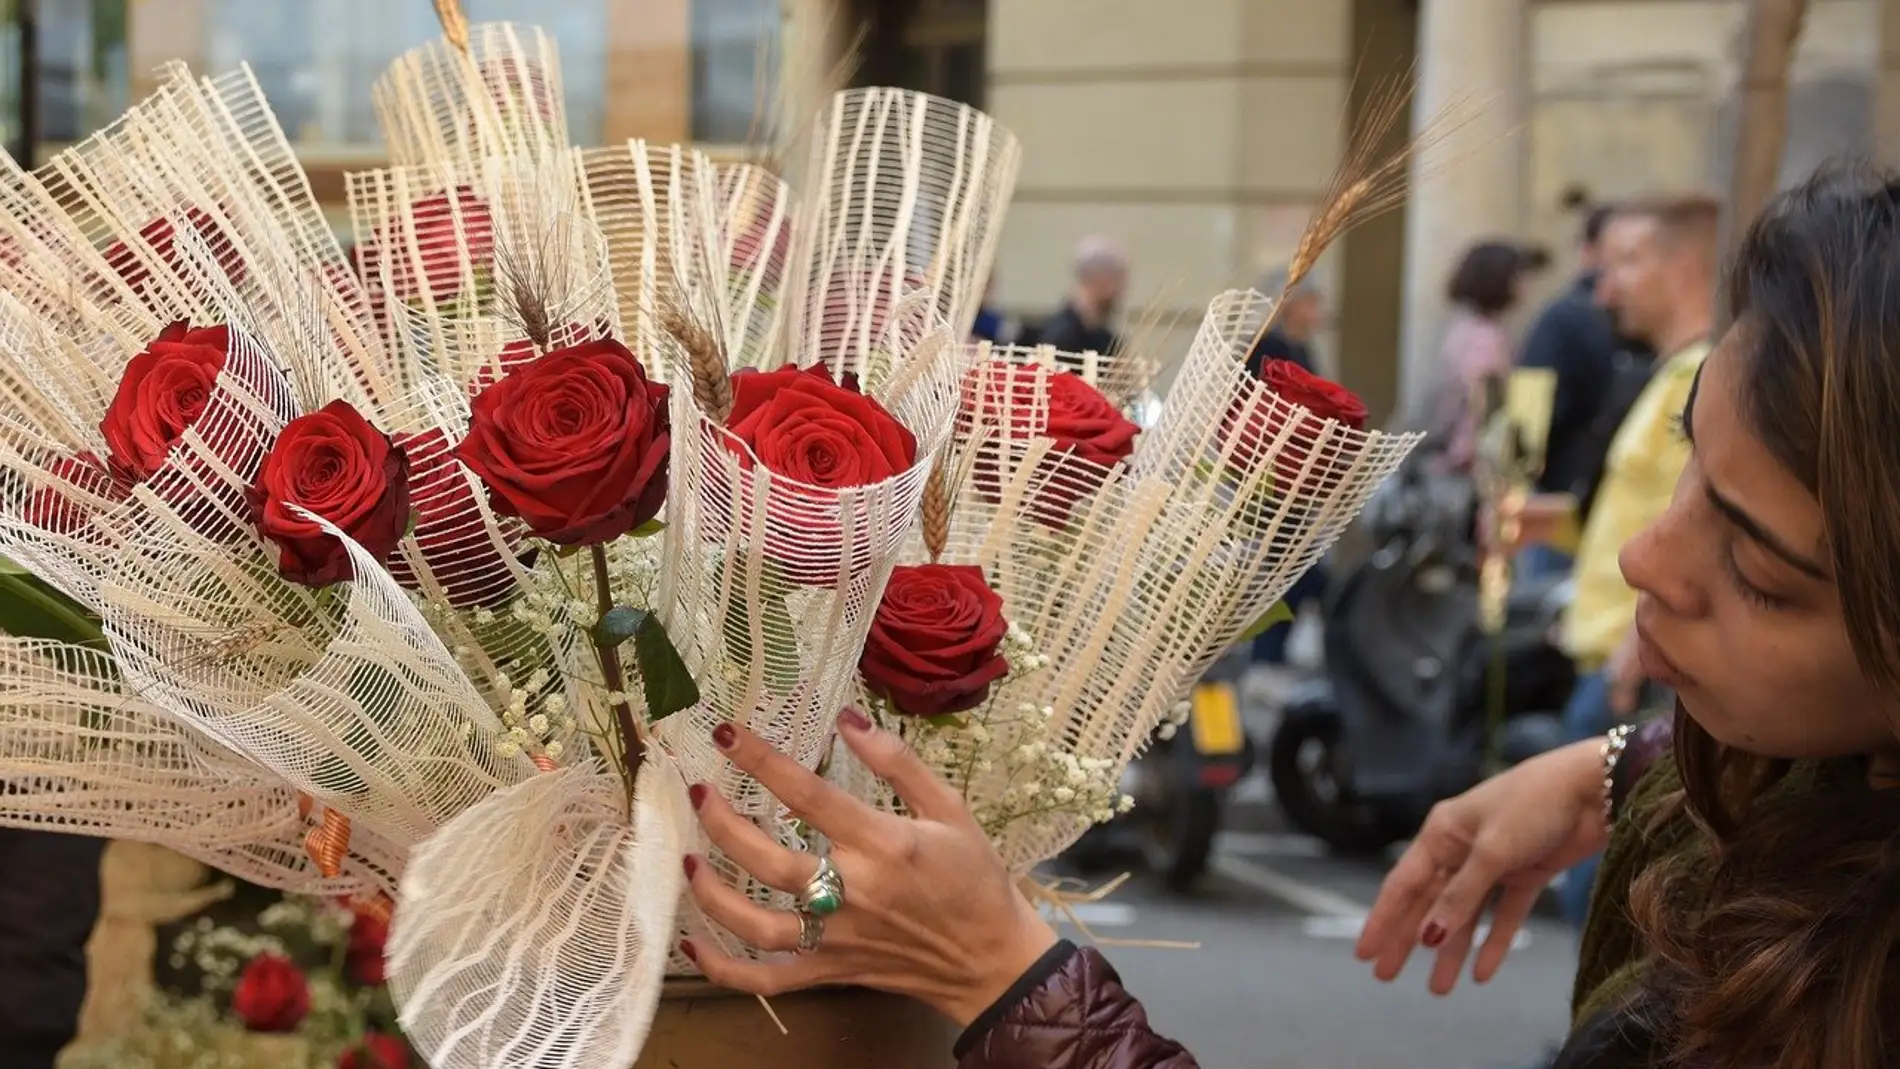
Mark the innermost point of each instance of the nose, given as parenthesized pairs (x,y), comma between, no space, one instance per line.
(1653,563)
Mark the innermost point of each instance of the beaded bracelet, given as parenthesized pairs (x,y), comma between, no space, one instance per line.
(1614,743)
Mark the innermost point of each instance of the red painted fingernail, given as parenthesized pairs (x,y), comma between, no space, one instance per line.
(696,794)
(1434,935)
(691,865)
(691,952)
(854,719)
(725,735)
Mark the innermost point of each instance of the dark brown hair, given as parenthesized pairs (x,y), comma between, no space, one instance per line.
(1782,950)
(1486,279)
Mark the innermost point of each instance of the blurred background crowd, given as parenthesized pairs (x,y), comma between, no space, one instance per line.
(1570,228)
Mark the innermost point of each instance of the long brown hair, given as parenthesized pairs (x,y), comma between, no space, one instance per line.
(1782,949)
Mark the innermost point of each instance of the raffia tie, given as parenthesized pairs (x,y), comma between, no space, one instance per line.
(329,843)
(1059,896)
(376,907)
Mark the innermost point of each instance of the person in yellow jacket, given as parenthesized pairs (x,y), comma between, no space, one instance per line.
(1658,279)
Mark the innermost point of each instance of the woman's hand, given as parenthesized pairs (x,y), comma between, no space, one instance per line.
(929,909)
(1502,840)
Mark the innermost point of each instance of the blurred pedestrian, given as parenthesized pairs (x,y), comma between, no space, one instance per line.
(1475,354)
(1082,324)
(992,324)
(1599,375)
(1301,316)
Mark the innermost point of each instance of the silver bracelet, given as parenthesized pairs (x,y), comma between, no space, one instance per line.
(1614,743)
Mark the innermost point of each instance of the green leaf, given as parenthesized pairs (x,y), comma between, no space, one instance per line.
(668,683)
(618,625)
(1279,614)
(781,638)
(649,529)
(32,608)
(948,721)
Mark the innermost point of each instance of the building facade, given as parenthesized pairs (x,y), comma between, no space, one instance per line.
(1200,132)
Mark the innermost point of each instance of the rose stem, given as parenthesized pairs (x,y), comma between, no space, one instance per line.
(616,679)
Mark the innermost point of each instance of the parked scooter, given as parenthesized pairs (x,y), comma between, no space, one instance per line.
(1405,715)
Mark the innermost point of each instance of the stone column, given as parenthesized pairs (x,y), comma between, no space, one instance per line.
(1886,111)
(1468,186)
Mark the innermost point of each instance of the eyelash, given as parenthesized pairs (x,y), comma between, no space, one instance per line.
(1748,590)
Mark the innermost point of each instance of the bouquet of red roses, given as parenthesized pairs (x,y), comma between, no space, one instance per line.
(425,578)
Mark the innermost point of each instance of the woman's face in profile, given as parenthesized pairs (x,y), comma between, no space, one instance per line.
(1739,607)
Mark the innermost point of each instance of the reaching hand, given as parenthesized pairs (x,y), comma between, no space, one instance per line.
(929,909)
(1503,839)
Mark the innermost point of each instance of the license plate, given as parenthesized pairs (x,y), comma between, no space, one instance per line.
(1215,719)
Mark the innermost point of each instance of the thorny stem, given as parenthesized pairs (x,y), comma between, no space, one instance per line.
(616,679)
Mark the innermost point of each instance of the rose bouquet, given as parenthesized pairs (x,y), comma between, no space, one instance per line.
(429,583)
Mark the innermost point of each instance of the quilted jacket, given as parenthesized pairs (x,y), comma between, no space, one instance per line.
(1069,1011)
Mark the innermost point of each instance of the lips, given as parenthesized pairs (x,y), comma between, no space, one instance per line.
(1655,664)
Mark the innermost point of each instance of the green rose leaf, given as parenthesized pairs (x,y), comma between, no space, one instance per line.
(32,608)
(667,682)
(649,529)
(947,721)
(1279,614)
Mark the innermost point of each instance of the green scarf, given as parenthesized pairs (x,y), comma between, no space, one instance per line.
(1612,963)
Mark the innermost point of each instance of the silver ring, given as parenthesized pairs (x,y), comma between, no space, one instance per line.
(811,931)
(824,893)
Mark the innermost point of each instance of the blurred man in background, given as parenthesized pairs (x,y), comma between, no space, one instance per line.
(1300,317)
(1658,275)
(1101,280)
(1599,376)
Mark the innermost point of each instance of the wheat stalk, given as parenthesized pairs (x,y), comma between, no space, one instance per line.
(1369,180)
(454,23)
(712,382)
(936,512)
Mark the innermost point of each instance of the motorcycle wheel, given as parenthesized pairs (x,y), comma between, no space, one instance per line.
(1179,840)
(1301,765)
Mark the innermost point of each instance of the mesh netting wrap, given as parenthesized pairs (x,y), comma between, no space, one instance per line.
(676,222)
(501,98)
(546,945)
(81,755)
(907,196)
(1127,582)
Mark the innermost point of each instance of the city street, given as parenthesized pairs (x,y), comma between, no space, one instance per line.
(1274,984)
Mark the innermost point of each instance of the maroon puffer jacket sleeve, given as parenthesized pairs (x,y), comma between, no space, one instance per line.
(1069,1011)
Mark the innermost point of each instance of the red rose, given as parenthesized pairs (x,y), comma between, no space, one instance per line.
(1083,422)
(162,393)
(1325,399)
(161,236)
(433,264)
(369,935)
(452,532)
(333,463)
(377,1051)
(574,443)
(1319,400)
(271,995)
(801,424)
(60,503)
(932,648)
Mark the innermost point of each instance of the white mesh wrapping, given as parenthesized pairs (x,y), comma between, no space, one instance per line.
(908,196)
(672,218)
(535,930)
(503,98)
(1131,581)
(80,755)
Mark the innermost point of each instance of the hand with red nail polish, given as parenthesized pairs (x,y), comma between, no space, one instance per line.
(929,911)
(1497,845)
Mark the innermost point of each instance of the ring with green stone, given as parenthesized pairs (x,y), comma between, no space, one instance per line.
(824,894)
